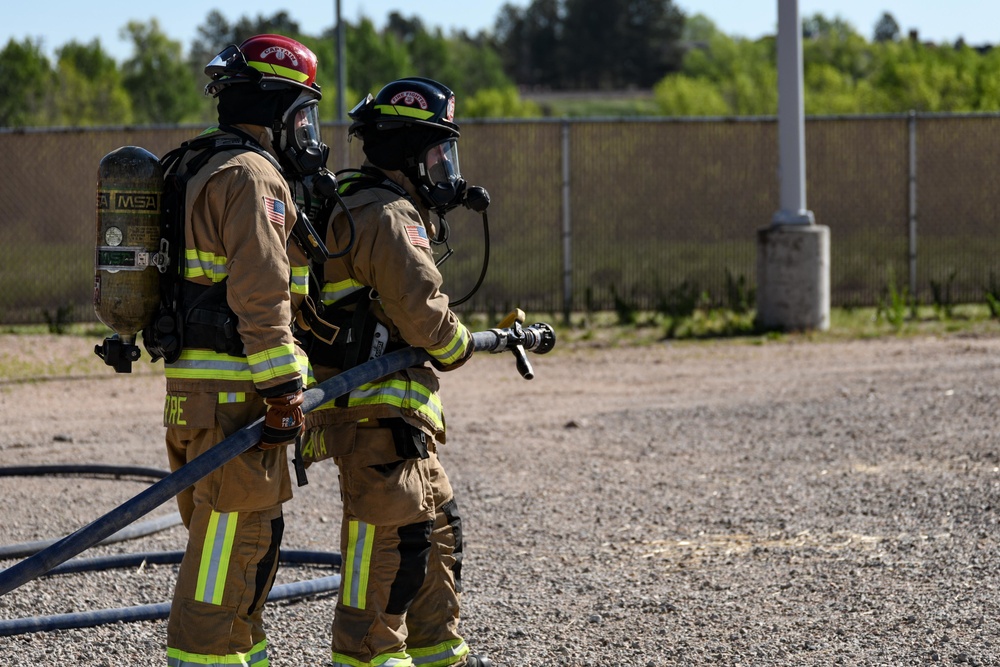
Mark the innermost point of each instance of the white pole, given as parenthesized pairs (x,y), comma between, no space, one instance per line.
(791,119)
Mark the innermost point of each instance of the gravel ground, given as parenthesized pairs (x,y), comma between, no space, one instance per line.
(804,503)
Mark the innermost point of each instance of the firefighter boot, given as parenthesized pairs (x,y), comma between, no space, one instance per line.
(473,660)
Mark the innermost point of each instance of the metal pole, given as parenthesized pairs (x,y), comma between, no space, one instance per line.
(341,69)
(791,123)
(342,83)
(567,228)
(913,204)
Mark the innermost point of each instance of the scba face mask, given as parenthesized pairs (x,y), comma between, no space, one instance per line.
(300,142)
(441,181)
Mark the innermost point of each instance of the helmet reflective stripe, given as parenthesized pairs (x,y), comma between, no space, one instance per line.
(278,70)
(409,112)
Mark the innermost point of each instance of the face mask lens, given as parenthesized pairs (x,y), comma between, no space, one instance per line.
(441,162)
(305,126)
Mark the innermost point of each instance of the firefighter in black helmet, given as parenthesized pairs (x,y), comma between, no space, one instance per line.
(402,531)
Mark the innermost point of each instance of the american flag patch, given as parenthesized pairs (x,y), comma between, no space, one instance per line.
(418,236)
(275,210)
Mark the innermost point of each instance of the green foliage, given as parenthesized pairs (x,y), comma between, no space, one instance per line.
(497,103)
(626,310)
(992,294)
(59,321)
(161,85)
(91,88)
(590,44)
(739,297)
(894,304)
(691,67)
(26,82)
(941,291)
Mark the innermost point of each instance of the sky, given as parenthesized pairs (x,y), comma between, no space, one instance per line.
(58,22)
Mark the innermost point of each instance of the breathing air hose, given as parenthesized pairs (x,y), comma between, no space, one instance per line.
(539,338)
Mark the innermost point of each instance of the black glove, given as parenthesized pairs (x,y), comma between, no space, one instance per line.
(283,421)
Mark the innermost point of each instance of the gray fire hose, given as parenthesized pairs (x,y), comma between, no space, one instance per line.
(539,338)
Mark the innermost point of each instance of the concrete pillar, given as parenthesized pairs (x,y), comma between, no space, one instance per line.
(793,254)
(793,277)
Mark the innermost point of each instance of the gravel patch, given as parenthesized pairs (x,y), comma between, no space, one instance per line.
(722,503)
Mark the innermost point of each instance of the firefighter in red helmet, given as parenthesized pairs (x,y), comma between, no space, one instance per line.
(236,358)
(401,536)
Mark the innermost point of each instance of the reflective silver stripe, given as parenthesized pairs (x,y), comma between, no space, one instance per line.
(440,655)
(227,364)
(257,657)
(269,364)
(455,350)
(215,557)
(300,280)
(333,292)
(198,263)
(392,660)
(361,535)
(399,394)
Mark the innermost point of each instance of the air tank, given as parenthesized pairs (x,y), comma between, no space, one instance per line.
(126,267)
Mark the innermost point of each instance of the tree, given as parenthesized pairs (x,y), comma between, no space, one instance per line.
(376,59)
(161,85)
(886,29)
(91,91)
(26,84)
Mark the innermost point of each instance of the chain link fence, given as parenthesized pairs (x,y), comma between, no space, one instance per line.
(586,214)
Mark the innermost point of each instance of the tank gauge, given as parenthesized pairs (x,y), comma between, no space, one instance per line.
(113,236)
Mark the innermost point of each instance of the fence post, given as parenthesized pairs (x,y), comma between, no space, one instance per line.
(567,228)
(912,126)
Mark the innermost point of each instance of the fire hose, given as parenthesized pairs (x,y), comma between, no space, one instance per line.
(510,336)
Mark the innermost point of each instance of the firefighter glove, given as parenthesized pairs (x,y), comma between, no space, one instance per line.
(283,421)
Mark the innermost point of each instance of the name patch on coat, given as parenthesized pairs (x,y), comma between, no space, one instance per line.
(275,210)
(418,236)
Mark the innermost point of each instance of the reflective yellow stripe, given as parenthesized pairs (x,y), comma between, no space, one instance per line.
(391,110)
(360,537)
(299,284)
(456,347)
(385,660)
(273,363)
(215,555)
(199,263)
(232,397)
(401,394)
(208,365)
(333,292)
(256,657)
(445,653)
(278,70)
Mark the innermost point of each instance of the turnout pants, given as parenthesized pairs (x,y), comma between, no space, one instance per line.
(401,541)
(234,522)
